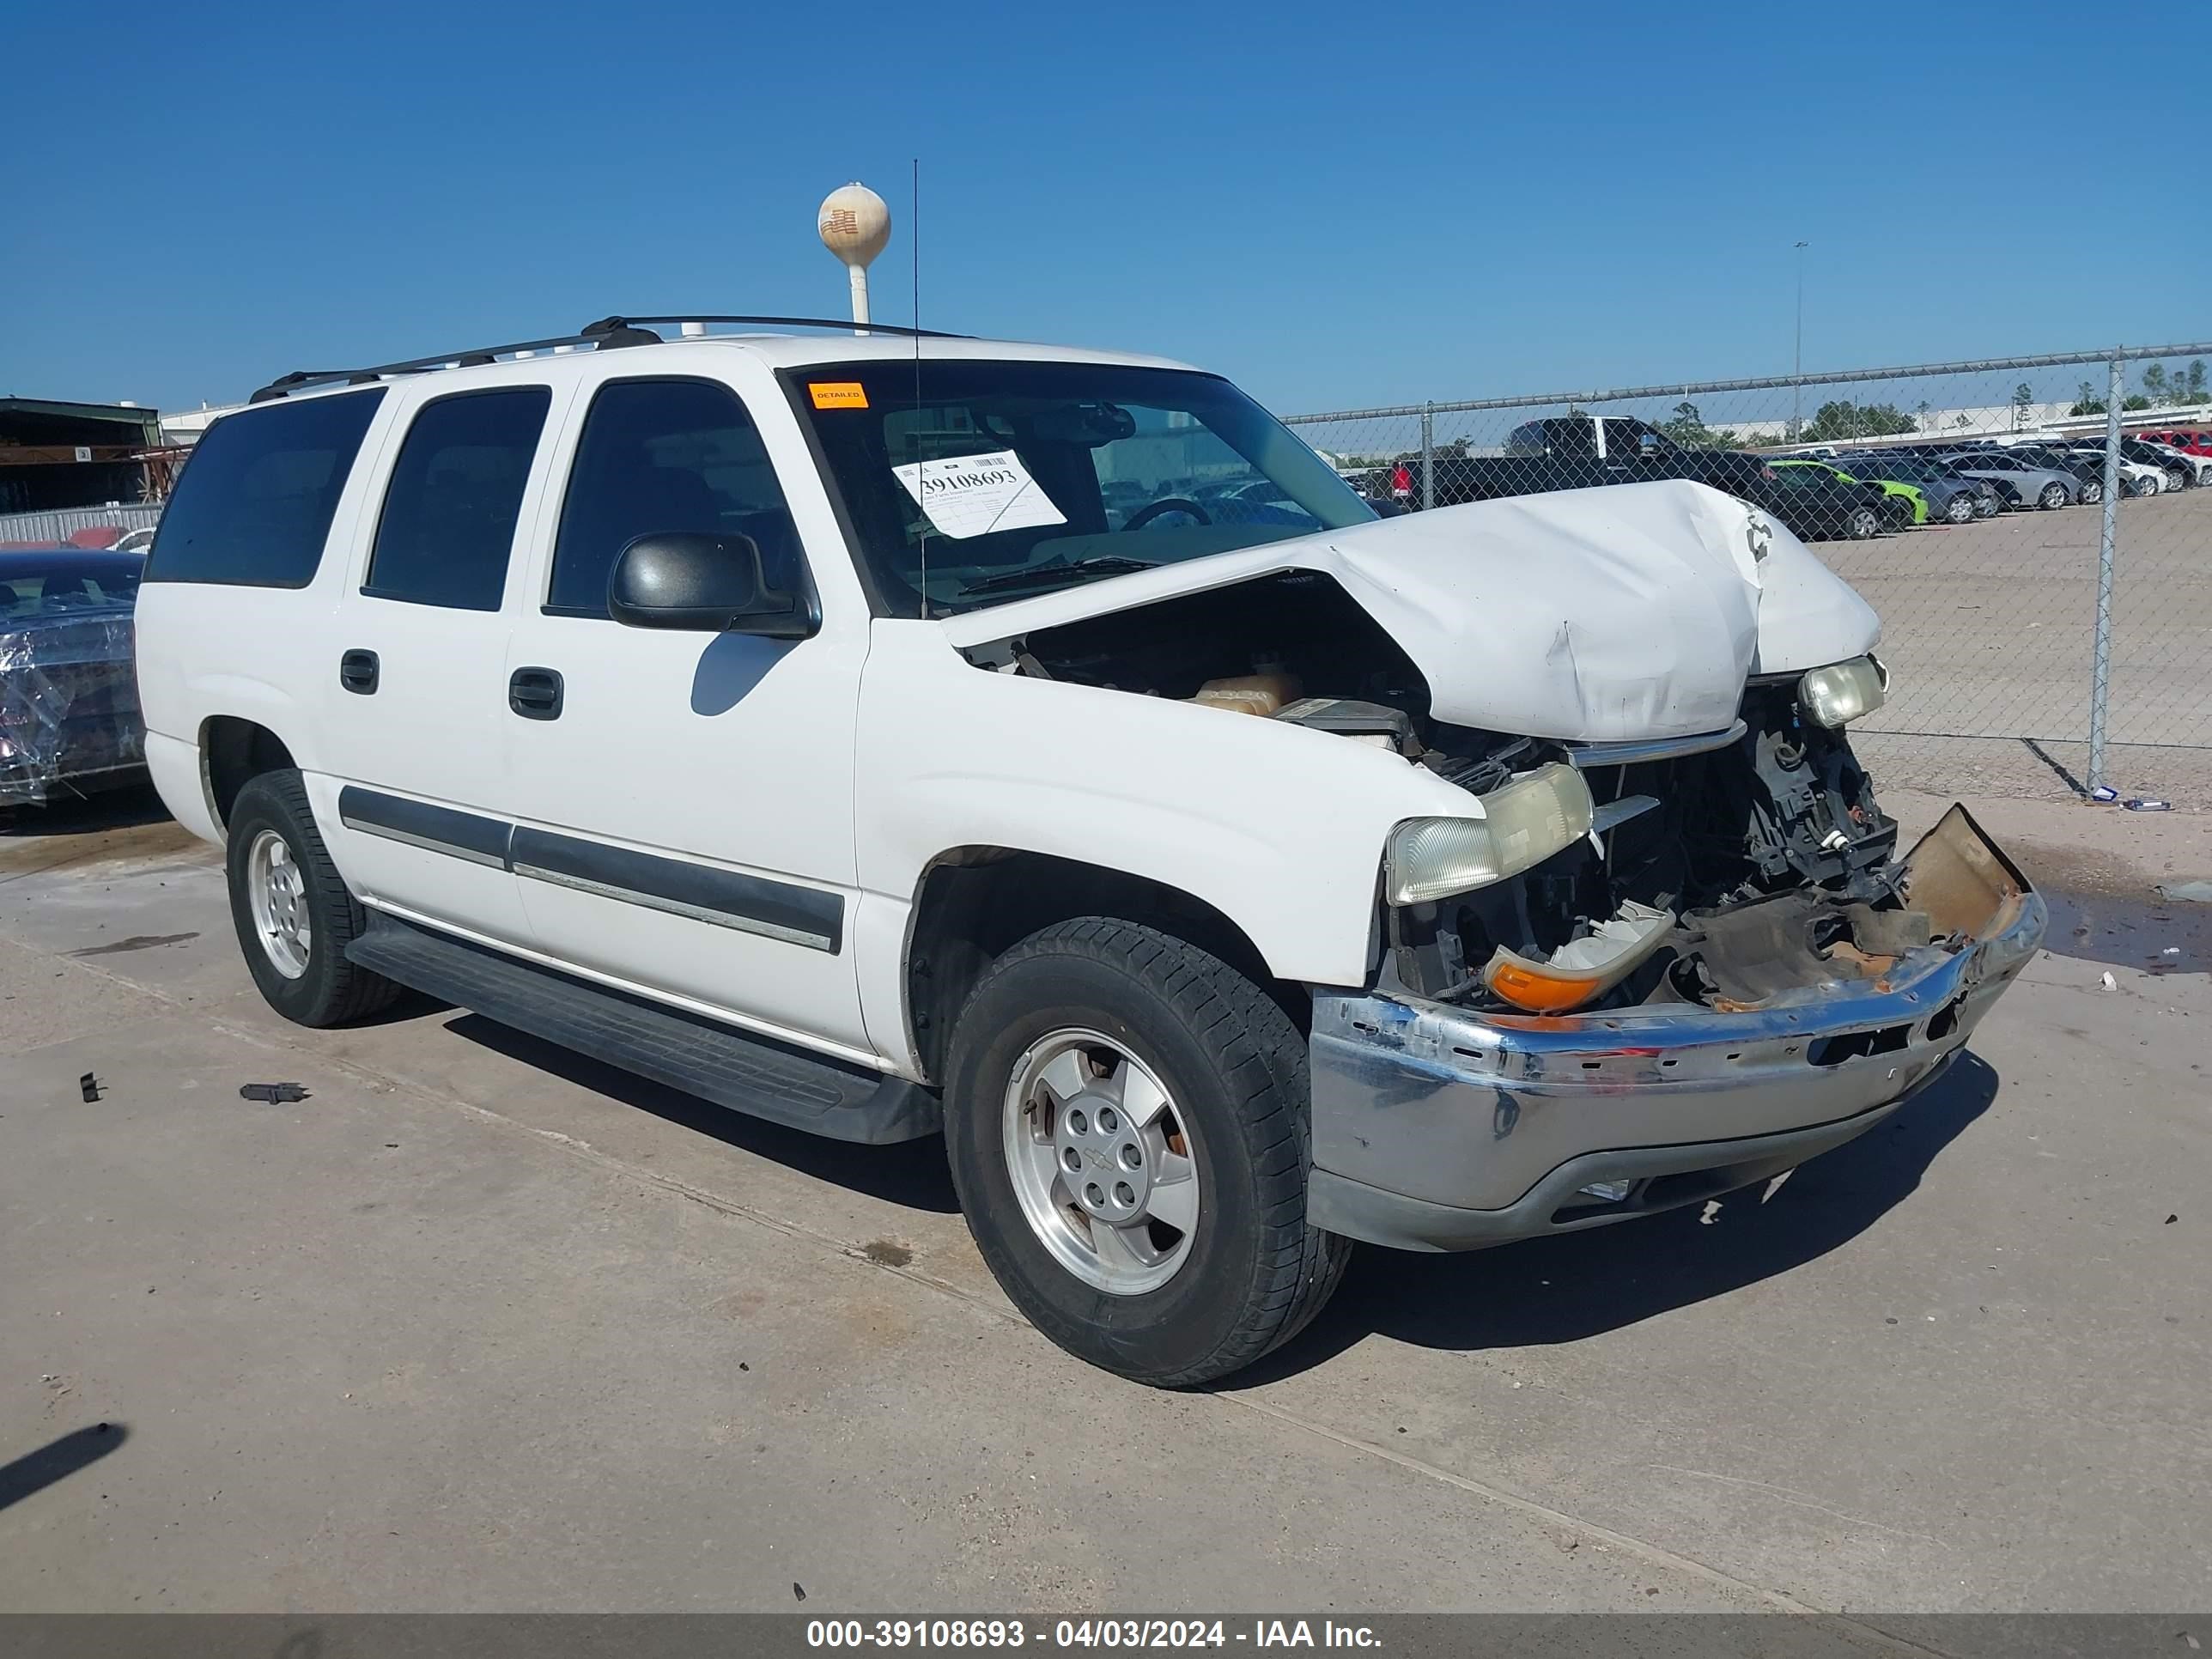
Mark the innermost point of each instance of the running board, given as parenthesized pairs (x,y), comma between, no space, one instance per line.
(747,1073)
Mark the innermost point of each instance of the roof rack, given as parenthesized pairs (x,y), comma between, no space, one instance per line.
(608,334)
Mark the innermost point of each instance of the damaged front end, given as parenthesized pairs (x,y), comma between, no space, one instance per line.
(1754,867)
(1731,972)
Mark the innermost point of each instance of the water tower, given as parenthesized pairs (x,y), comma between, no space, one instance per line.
(855,225)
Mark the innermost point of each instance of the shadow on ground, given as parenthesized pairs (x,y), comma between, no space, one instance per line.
(1582,1284)
(1542,1291)
(81,815)
(58,1460)
(912,1173)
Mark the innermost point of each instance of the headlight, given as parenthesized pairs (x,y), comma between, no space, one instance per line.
(1840,693)
(1522,824)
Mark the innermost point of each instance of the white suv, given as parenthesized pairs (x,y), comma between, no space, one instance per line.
(887,735)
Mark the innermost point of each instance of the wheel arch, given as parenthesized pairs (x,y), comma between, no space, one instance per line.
(235,750)
(974,903)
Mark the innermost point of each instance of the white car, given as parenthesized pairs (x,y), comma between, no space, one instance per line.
(784,720)
(2136,477)
(2199,467)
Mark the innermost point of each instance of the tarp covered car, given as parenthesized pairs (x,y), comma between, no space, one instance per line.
(69,694)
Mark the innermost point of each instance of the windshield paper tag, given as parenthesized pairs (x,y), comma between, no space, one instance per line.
(838,394)
(967,495)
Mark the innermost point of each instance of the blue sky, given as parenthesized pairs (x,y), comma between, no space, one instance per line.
(1336,205)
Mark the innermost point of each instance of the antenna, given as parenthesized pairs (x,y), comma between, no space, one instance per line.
(914,243)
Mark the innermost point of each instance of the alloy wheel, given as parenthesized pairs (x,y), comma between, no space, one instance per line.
(1102,1165)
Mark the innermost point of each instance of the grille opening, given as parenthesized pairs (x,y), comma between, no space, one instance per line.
(1851,1045)
(1943,1022)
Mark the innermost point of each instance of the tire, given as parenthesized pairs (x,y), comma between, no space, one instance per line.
(2143,486)
(1043,1049)
(2053,496)
(2093,492)
(1959,510)
(301,969)
(1863,523)
(2176,479)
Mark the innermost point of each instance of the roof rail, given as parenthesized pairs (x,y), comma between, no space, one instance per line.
(604,336)
(617,323)
(607,334)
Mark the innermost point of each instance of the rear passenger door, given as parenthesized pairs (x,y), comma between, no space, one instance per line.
(415,695)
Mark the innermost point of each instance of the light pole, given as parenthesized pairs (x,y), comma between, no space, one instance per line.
(1797,355)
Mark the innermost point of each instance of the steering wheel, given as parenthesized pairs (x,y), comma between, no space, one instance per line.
(1152,510)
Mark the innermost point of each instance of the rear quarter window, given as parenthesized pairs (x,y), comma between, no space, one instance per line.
(253,507)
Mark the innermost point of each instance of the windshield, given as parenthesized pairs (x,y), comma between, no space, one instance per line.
(1008,479)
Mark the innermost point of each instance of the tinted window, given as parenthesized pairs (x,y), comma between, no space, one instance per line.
(253,506)
(450,510)
(666,455)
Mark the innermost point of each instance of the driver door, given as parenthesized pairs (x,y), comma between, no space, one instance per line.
(684,800)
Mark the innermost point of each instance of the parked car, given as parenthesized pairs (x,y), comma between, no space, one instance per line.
(2088,474)
(2190,439)
(1576,452)
(2138,476)
(2197,468)
(1953,499)
(2176,473)
(1224,892)
(2028,485)
(1904,504)
(1819,503)
(68,705)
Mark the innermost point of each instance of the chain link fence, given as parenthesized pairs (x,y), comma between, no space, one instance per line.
(2035,532)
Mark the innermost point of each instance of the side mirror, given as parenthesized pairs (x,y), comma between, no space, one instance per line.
(703,583)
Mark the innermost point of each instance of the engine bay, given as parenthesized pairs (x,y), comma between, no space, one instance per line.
(1724,879)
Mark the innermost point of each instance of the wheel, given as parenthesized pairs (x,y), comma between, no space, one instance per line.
(2092,492)
(1127,1126)
(1863,522)
(2054,495)
(293,916)
(2176,479)
(1959,510)
(2143,486)
(1988,506)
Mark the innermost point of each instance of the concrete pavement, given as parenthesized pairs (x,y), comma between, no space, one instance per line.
(482,1325)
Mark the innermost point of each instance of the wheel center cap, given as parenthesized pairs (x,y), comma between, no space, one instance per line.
(1103,1159)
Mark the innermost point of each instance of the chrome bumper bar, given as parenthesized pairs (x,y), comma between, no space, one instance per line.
(1436,1127)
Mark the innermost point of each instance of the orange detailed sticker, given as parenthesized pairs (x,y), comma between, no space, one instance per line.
(838,394)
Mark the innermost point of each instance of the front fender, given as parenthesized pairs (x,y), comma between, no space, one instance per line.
(1278,828)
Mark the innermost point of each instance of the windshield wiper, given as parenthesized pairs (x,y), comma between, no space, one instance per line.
(1105,564)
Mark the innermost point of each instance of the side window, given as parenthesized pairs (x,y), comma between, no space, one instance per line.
(254,504)
(666,455)
(449,511)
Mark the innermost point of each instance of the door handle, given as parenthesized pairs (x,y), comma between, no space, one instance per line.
(357,672)
(535,693)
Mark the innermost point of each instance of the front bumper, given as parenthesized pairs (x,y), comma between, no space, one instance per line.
(1438,1128)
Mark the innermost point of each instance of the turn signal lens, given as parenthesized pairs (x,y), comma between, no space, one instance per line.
(1542,993)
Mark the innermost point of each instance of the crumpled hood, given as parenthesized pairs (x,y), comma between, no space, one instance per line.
(1623,611)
